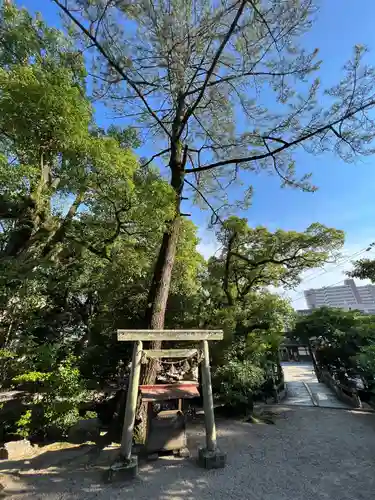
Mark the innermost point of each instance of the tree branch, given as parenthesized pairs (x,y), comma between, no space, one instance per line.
(154,156)
(271,260)
(11,209)
(215,60)
(339,136)
(112,62)
(229,78)
(263,19)
(214,212)
(286,145)
(246,289)
(99,252)
(280,174)
(60,233)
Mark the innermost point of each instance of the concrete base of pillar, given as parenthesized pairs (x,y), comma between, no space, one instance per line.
(211,459)
(183,453)
(123,470)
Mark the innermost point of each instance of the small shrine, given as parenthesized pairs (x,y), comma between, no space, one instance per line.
(177,380)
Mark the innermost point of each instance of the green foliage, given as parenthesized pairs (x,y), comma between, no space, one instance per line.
(55,117)
(186,73)
(81,227)
(59,393)
(366,358)
(364,269)
(236,380)
(32,377)
(7,354)
(327,323)
(50,150)
(236,297)
(26,38)
(255,257)
(344,339)
(259,60)
(189,263)
(24,424)
(90,414)
(81,222)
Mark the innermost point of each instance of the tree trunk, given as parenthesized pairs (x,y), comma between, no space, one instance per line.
(159,290)
(32,211)
(161,281)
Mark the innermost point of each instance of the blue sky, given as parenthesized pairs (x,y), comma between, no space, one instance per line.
(345,198)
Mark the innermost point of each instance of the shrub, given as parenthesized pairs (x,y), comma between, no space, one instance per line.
(54,400)
(366,359)
(24,424)
(239,377)
(235,383)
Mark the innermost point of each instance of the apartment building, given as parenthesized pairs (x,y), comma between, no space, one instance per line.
(347,296)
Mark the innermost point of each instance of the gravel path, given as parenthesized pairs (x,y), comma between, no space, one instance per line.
(311,453)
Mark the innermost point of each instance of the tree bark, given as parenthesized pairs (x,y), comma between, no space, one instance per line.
(161,280)
(30,214)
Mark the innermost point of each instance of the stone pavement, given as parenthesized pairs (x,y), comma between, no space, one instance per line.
(303,388)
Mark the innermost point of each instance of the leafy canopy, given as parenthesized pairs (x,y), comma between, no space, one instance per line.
(191,71)
(252,258)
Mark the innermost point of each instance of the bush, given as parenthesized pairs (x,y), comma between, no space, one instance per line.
(366,359)
(236,381)
(24,424)
(54,400)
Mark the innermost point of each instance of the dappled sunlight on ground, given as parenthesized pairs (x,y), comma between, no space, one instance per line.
(309,453)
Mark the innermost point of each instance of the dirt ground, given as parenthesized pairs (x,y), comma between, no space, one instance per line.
(310,453)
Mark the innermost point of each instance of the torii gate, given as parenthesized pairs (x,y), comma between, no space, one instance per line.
(210,456)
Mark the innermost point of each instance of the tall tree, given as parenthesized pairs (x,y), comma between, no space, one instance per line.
(252,258)
(364,269)
(236,290)
(56,165)
(48,150)
(191,71)
(68,190)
